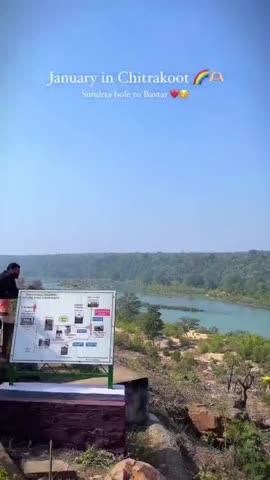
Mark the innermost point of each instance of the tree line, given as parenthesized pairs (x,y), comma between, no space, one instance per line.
(246,272)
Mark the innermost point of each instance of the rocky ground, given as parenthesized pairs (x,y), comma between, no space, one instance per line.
(184,415)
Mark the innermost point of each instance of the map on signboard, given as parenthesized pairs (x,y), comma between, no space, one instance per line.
(55,326)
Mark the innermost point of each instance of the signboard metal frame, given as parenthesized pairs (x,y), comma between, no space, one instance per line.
(14,373)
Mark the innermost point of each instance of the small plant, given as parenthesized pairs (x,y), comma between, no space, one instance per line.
(248,452)
(204,475)
(3,474)
(95,457)
(139,446)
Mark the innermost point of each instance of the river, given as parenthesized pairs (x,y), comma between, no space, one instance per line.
(225,316)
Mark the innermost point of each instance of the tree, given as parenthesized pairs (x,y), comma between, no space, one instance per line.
(233,283)
(194,280)
(187,324)
(129,304)
(152,325)
(231,360)
(245,385)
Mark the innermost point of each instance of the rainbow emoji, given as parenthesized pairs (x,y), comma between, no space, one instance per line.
(201,76)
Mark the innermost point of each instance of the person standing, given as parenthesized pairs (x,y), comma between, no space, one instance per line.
(8,292)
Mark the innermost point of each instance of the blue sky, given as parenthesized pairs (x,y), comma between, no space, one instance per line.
(88,175)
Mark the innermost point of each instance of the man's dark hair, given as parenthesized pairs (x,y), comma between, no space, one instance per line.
(13,265)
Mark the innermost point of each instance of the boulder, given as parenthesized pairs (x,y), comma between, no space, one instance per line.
(166,453)
(263,423)
(206,420)
(130,469)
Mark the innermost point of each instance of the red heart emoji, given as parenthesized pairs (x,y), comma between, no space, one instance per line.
(174,93)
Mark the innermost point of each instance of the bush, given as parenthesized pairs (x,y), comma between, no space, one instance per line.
(204,347)
(204,475)
(184,361)
(248,451)
(3,474)
(122,339)
(247,346)
(219,370)
(175,330)
(137,344)
(139,446)
(128,324)
(94,457)
(184,367)
(151,350)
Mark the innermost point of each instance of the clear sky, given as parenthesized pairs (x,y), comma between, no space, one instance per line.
(88,175)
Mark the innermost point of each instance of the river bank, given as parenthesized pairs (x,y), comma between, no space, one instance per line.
(178,289)
(224,314)
(256,300)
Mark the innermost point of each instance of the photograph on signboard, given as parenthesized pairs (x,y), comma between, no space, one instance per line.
(78,318)
(59,333)
(64,350)
(48,324)
(27,321)
(44,343)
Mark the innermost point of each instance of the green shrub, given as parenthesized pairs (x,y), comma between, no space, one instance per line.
(184,367)
(247,346)
(128,324)
(204,475)
(177,356)
(204,347)
(122,339)
(3,474)
(94,457)
(185,361)
(170,330)
(248,451)
(139,446)
(219,370)
(137,344)
(151,350)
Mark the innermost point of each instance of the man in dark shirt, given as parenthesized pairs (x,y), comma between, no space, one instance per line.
(8,287)
(8,291)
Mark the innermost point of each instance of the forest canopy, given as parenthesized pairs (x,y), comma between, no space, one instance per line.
(246,272)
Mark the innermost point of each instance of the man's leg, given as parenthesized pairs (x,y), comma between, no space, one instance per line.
(7,339)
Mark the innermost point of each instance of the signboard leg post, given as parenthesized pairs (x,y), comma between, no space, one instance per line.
(110,376)
(11,373)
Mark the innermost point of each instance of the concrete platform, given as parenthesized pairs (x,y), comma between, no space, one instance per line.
(40,468)
(60,391)
(70,415)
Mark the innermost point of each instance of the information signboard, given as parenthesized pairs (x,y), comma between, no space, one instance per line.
(64,326)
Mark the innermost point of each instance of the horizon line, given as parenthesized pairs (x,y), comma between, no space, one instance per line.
(137,252)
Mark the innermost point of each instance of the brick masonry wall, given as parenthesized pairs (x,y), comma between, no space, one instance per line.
(72,423)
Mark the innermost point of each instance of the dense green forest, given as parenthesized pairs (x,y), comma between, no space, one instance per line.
(235,273)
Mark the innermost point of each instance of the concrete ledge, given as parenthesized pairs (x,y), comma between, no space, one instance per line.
(40,468)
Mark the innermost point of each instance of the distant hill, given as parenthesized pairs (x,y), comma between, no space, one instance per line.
(238,272)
